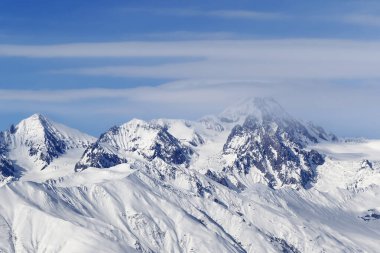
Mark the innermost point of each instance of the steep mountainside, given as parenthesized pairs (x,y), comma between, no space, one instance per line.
(263,140)
(138,139)
(272,148)
(252,179)
(36,141)
(267,145)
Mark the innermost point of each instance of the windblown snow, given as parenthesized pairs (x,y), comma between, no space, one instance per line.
(252,179)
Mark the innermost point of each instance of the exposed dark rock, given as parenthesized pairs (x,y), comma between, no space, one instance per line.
(149,141)
(366,164)
(97,157)
(43,140)
(6,167)
(283,245)
(276,146)
(372,214)
(222,178)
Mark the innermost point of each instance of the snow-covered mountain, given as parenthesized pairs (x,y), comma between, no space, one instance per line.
(36,141)
(268,110)
(270,144)
(251,179)
(138,139)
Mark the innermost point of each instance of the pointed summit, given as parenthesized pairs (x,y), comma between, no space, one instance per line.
(266,144)
(258,107)
(136,138)
(39,140)
(36,116)
(33,126)
(34,119)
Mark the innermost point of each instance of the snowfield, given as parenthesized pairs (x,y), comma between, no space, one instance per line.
(351,149)
(154,202)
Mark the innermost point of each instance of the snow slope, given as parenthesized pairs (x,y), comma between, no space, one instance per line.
(36,142)
(138,139)
(125,207)
(131,192)
(351,149)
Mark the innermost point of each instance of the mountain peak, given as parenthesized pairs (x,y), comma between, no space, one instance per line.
(267,141)
(41,140)
(136,138)
(136,122)
(35,121)
(257,106)
(36,117)
(267,105)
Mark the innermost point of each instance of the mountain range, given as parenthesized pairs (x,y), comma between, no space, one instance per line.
(250,179)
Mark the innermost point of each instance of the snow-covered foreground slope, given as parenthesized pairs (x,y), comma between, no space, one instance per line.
(205,186)
(121,208)
(357,165)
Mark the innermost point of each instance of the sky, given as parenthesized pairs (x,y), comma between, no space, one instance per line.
(95,64)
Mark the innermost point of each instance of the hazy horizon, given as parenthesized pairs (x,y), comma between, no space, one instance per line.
(94,65)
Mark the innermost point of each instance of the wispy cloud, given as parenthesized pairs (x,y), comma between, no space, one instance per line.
(243,14)
(324,102)
(133,102)
(173,92)
(191,35)
(362,19)
(216,13)
(228,59)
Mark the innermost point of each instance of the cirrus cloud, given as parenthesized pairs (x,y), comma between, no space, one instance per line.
(228,59)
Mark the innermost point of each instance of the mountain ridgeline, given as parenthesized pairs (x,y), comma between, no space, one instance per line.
(260,139)
(35,142)
(136,138)
(250,179)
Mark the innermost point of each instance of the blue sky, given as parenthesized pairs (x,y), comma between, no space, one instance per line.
(93,64)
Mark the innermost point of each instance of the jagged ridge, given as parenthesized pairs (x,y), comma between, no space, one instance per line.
(135,138)
(270,143)
(40,141)
(273,148)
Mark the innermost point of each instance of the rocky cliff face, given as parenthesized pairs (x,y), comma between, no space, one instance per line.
(138,139)
(274,149)
(37,141)
(263,143)
(6,167)
(266,144)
